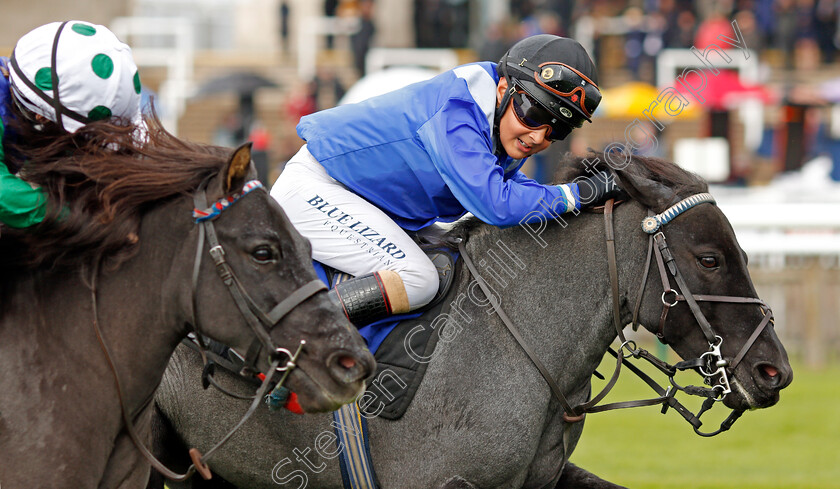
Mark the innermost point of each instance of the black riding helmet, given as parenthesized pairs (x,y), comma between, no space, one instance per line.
(555,78)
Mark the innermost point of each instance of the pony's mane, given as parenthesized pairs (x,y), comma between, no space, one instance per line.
(669,174)
(99,192)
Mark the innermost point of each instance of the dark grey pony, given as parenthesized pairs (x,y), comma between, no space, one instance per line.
(483,416)
(60,412)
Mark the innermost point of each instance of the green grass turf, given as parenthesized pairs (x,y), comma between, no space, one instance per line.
(792,445)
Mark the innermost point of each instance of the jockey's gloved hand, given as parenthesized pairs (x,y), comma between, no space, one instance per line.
(599,188)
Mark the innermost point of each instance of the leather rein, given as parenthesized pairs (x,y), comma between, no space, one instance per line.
(710,364)
(260,322)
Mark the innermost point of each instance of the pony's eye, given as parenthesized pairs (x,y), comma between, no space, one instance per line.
(262,254)
(708,262)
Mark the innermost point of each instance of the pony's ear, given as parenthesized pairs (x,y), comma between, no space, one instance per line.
(237,168)
(650,193)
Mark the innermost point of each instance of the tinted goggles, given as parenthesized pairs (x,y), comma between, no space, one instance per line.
(535,116)
(569,83)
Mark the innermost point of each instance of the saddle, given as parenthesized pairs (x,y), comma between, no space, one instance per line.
(398,349)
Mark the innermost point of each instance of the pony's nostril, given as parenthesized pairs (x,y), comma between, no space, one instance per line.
(347,361)
(345,367)
(769,375)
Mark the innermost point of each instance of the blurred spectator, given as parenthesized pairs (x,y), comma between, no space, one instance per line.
(825,19)
(643,40)
(634,21)
(261,140)
(540,22)
(495,42)
(522,9)
(716,24)
(441,23)
(284,26)
(361,41)
(300,101)
(650,141)
(784,33)
(748,26)
(225,133)
(654,42)
(428,23)
(806,50)
(680,25)
(765,17)
(330,10)
(458,35)
(805,20)
(260,137)
(565,10)
(326,88)
(708,9)
(549,23)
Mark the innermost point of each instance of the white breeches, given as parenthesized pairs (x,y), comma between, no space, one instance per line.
(349,233)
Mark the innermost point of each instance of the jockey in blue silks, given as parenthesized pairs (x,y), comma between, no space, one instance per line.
(430,152)
(60,77)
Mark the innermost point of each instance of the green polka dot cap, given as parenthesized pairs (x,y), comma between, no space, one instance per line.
(94,72)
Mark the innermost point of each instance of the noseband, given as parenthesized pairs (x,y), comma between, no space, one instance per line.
(260,322)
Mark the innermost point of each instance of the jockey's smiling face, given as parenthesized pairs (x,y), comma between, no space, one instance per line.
(518,139)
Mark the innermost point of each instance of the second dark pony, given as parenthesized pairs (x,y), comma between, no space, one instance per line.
(95,300)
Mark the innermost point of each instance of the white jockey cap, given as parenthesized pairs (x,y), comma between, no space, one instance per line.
(94,71)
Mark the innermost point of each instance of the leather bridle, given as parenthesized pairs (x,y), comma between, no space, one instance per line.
(710,364)
(261,323)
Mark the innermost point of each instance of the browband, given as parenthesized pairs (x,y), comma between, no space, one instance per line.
(651,224)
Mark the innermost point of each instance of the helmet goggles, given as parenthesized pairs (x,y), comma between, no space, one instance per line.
(569,83)
(534,115)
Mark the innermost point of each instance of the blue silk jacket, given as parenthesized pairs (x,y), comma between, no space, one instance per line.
(424,153)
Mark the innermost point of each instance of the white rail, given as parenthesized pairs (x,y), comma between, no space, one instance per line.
(782,229)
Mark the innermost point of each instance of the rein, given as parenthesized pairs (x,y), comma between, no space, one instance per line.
(710,364)
(261,323)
